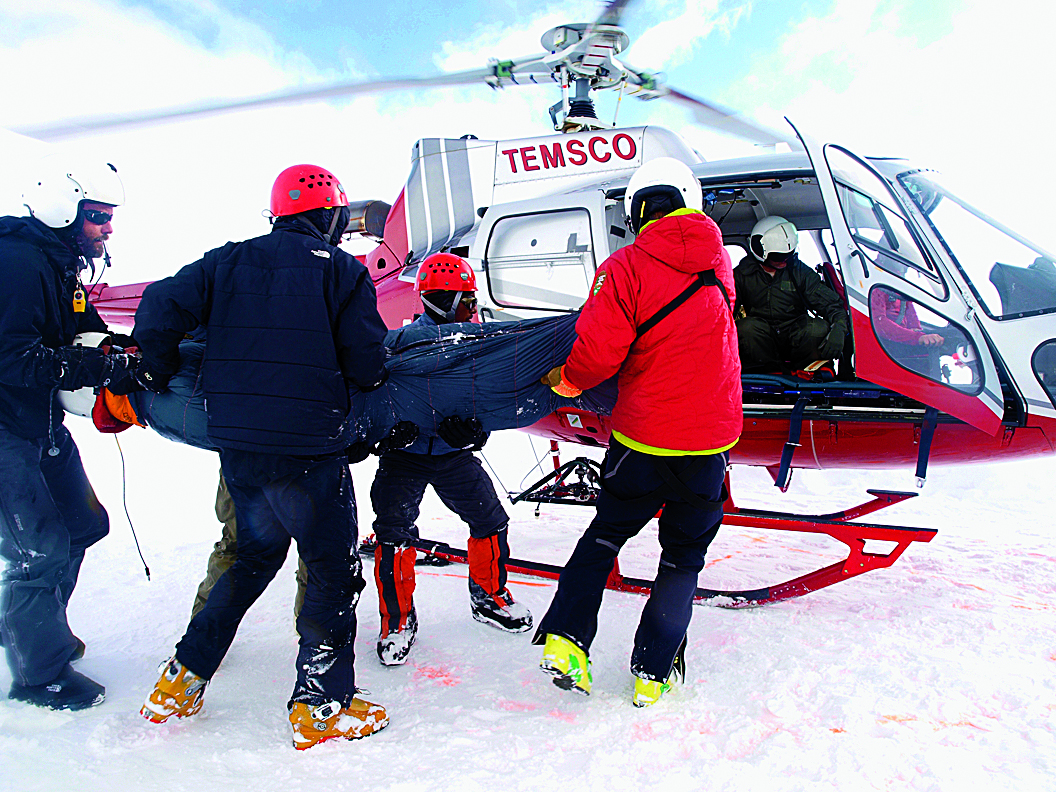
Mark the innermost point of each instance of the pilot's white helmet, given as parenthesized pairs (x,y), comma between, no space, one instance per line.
(773,234)
(57,185)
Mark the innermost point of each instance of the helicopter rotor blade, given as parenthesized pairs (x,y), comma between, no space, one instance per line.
(725,120)
(613,13)
(496,74)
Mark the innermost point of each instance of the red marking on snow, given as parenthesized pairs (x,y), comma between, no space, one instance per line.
(1052,656)
(837,730)
(517,706)
(530,583)
(567,717)
(898,718)
(717,560)
(439,675)
(935,725)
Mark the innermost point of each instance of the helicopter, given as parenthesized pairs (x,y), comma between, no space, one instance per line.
(535,216)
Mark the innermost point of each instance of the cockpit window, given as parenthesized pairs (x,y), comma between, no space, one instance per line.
(1009,275)
(877,224)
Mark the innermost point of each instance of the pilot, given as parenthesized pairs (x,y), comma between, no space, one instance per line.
(789,320)
(447,286)
(49,514)
(659,317)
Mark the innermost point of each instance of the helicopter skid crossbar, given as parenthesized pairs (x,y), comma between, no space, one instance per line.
(836,524)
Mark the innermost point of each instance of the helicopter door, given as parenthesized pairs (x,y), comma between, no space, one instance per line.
(539,256)
(913,330)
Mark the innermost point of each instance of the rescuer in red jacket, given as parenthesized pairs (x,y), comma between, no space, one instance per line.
(660,316)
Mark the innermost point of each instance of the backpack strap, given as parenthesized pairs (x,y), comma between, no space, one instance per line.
(706,278)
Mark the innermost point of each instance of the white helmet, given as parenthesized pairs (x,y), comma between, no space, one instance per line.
(58,186)
(663,181)
(81,401)
(773,234)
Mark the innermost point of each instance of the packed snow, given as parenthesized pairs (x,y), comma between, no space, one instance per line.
(936,674)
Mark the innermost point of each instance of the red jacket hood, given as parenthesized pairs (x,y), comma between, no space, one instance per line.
(682,240)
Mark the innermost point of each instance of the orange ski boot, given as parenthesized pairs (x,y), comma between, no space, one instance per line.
(313,725)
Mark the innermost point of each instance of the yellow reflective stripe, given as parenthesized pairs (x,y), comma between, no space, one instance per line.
(648,449)
(676,213)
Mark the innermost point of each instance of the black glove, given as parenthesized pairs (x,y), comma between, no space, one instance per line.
(122,340)
(466,434)
(121,378)
(400,436)
(81,367)
(149,378)
(357,452)
(832,346)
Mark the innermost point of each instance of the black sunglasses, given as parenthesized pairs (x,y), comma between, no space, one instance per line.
(95,217)
(470,302)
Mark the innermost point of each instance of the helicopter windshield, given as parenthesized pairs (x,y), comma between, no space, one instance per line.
(1009,275)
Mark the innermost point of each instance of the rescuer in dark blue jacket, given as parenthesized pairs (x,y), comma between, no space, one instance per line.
(447,286)
(291,320)
(49,514)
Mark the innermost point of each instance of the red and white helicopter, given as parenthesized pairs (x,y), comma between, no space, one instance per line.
(535,216)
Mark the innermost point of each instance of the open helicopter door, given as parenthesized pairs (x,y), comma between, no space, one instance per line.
(539,256)
(914,331)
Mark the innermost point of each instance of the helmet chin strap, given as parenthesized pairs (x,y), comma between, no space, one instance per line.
(333,225)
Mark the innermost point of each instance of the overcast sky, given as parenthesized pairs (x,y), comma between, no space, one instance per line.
(964,86)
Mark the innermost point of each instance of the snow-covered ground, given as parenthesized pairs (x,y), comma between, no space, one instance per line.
(936,674)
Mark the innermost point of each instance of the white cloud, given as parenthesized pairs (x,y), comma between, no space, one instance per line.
(672,41)
(974,102)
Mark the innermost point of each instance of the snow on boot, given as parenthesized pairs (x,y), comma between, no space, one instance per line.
(313,725)
(568,663)
(179,692)
(394,647)
(70,690)
(648,691)
(499,610)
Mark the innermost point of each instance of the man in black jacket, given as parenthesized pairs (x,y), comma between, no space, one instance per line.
(291,319)
(49,514)
(776,295)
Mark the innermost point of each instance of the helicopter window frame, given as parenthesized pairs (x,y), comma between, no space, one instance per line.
(869,248)
(968,337)
(491,235)
(926,211)
(1035,367)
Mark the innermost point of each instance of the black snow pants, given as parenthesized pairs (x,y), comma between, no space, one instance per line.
(316,506)
(634,488)
(49,515)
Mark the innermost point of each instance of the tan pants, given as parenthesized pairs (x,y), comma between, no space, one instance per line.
(226,551)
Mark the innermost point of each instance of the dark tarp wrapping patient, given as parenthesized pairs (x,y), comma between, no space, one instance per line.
(489,371)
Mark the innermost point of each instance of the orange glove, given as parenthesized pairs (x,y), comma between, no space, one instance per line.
(555,378)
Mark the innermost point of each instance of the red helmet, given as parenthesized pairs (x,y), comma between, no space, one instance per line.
(302,187)
(445,272)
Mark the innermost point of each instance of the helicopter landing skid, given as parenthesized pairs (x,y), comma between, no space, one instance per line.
(577,483)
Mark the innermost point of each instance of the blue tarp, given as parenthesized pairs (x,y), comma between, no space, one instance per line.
(490,372)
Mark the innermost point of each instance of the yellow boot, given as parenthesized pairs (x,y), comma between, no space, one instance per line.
(312,725)
(568,663)
(179,692)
